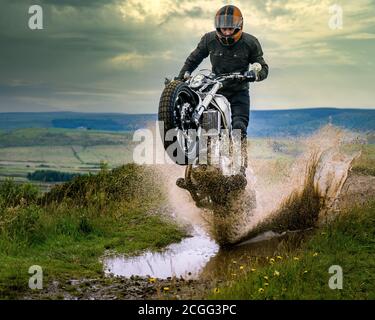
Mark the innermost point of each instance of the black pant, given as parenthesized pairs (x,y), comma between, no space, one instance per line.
(240,106)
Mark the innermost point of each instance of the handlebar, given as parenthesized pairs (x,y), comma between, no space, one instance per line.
(230,76)
(217,84)
(256,68)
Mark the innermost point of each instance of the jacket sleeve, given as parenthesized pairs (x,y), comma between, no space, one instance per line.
(196,57)
(257,56)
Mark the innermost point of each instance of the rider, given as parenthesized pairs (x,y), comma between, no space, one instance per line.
(231,50)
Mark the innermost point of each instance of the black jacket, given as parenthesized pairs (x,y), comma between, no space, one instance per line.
(227,59)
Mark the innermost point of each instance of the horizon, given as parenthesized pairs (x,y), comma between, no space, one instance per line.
(155,113)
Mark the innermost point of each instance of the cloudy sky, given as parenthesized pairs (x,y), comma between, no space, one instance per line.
(113,55)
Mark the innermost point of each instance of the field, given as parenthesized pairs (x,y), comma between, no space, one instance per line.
(26,150)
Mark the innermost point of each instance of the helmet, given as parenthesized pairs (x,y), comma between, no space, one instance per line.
(229,17)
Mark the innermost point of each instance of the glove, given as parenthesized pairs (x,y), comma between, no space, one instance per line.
(184,77)
(251,76)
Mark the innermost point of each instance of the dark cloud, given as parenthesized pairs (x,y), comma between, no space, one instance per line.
(78,3)
(195,12)
(80,58)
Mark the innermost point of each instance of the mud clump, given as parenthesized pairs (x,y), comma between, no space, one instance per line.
(219,188)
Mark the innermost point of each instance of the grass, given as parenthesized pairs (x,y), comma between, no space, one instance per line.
(349,241)
(68,229)
(365,164)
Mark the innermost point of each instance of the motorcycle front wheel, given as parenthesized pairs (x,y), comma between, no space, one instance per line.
(176,106)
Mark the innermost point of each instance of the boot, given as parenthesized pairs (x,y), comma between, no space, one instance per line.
(238,181)
(180,182)
(243,156)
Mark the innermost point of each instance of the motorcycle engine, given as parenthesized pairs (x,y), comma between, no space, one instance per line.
(211,122)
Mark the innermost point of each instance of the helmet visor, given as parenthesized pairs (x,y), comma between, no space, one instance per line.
(228,21)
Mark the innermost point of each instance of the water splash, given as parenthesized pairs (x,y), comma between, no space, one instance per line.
(200,253)
(331,173)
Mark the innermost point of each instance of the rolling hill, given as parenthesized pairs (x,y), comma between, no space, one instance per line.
(262,123)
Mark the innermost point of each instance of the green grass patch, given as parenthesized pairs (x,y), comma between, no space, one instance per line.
(67,230)
(349,241)
(365,164)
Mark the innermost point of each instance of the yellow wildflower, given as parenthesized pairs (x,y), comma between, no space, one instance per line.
(152,280)
(166,288)
(296,258)
(279,257)
(315,254)
(276,273)
(216,290)
(260,290)
(253,270)
(241,267)
(266,284)
(272,261)
(265,277)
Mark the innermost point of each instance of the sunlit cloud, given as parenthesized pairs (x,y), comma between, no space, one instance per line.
(134,60)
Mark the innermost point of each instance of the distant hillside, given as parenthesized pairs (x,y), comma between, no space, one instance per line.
(262,123)
(75,120)
(306,121)
(61,137)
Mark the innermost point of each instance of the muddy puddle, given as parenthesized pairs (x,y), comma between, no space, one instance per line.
(184,259)
(200,257)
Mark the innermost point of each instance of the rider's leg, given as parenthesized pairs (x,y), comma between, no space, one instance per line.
(240,106)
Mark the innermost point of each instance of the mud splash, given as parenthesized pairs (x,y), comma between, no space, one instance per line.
(199,255)
(331,172)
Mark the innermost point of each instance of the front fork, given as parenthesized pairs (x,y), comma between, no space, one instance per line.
(205,103)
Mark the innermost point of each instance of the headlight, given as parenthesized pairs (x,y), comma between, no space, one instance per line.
(197,81)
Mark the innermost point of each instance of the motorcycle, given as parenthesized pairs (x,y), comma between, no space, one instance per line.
(197,133)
